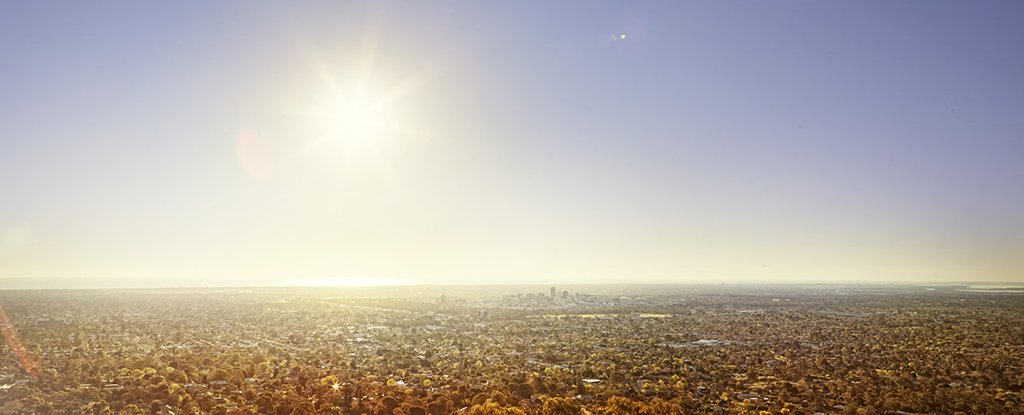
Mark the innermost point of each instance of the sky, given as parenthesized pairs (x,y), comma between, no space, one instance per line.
(345,143)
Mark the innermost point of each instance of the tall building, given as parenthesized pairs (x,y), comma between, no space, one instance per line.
(553,292)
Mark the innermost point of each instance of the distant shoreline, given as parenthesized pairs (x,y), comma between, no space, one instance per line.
(654,288)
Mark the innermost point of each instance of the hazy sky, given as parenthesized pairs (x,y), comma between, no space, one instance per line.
(251,143)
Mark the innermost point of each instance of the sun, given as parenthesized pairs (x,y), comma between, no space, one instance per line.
(361,114)
(355,117)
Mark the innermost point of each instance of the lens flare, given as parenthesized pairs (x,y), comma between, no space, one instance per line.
(252,154)
(12,341)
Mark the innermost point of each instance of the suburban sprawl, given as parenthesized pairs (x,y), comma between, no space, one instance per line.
(850,349)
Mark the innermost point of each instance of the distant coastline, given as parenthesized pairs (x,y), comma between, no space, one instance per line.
(647,289)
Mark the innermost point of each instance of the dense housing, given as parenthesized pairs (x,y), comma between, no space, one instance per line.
(742,350)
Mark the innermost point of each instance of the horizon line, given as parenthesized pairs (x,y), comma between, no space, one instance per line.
(524,284)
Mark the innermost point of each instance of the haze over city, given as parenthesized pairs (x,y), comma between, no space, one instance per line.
(263,143)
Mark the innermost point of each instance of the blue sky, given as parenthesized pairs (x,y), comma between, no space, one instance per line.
(172,144)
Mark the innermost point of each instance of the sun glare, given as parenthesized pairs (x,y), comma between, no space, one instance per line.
(355,117)
(360,114)
(358,124)
(349,282)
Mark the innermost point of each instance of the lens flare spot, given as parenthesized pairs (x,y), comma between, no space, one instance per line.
(253,155)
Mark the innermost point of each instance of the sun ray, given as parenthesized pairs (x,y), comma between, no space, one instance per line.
(351,115)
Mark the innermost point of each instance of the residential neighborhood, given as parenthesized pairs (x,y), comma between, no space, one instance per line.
(724,350)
